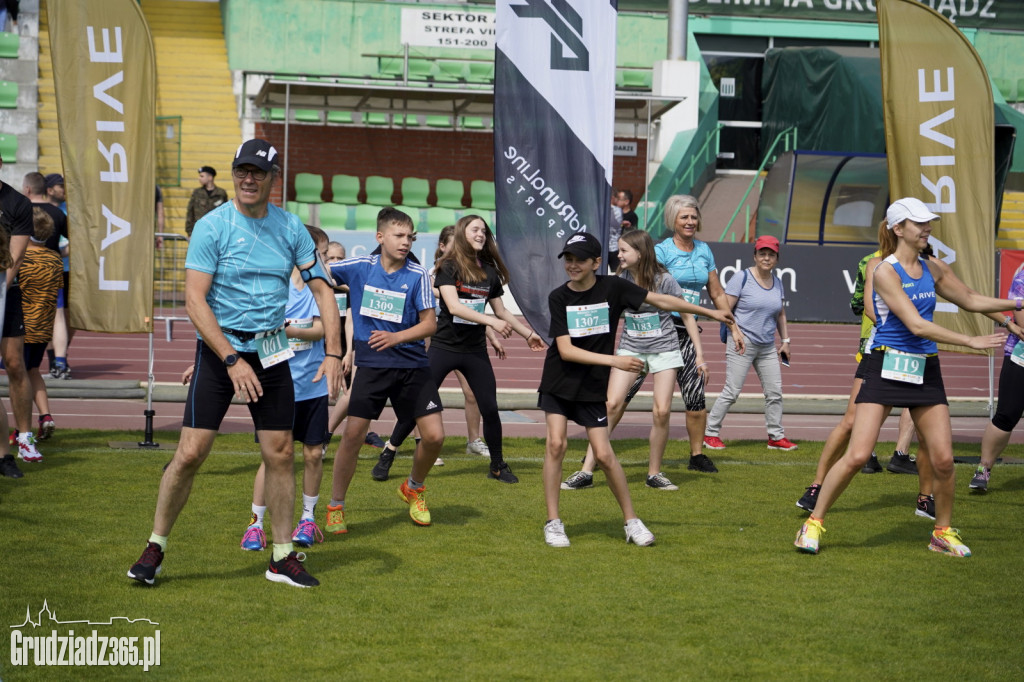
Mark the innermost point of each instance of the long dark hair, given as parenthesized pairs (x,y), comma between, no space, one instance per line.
(464,257)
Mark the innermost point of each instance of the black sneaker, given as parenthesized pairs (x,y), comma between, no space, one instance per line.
(147,568)
(578,481)
(901,464)
(503,474)
(290,571)
(926,506)
(9,468)
(702,463)
(810,498)
(383,466)
(872,466)
(373,440)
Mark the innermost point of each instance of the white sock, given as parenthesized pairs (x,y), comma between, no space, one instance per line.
(258,512)
(308,506)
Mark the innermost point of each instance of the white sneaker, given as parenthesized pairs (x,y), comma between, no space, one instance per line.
(637,532)
(27,447)
(439,462)
(554,534)
(478,447)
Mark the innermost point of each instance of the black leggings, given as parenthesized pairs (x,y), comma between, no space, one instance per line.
(476,367)
(1011,396)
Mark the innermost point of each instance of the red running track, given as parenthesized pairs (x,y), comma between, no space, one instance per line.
(822,365)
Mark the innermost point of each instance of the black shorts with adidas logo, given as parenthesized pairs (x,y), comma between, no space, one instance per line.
(412,392)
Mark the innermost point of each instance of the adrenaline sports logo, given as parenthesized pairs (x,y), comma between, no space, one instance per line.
(70,649)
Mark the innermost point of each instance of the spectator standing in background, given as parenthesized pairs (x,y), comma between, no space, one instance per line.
(204,199)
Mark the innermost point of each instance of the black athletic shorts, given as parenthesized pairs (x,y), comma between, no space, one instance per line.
(311,421)
(412,393)
(893,393)
(34,353)
(585,413)
(14,321)
(211,391)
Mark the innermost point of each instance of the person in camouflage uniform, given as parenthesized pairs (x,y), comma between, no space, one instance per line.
(204,198)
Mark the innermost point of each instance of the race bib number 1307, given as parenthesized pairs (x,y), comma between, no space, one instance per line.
(587,320)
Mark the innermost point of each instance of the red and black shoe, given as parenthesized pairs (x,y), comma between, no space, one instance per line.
(290,571)
(147,568)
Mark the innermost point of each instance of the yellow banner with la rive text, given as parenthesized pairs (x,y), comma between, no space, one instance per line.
(940,143)
(105,80)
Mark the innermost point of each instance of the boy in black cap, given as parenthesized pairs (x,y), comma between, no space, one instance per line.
(584,316)
(204,199)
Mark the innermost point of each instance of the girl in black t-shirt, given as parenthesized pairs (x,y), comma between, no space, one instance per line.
(470,275)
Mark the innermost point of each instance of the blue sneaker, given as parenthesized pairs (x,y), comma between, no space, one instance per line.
(254,539)
(373,440)
(306,533)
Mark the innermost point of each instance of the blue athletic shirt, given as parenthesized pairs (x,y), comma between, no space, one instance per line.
(251,262)
(302,308)
(413,281)
(890,330)
(689,269)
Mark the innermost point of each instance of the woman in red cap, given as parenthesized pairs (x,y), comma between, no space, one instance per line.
(758,302)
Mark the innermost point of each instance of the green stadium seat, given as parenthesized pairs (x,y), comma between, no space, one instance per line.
(345,189)
(8,148)
(366,217)
(451,70)
(344,117)
(1005,86)
(379,190)
(421,69)
(276,114)
(471,122)
(481,72)
(415,191)
(390,67)
(333,216)
(308,188)
(8,95)
(481,194)
(438,121)
(449,193)
(9,44)
(438,217)
(416,213)
(307,115)
(375,118)
(633,79)
(299,209)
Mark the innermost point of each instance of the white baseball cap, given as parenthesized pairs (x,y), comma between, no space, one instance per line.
(908,207)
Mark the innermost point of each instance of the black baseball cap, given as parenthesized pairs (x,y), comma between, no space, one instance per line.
(256,152)
(582,245)
(208,169)
(54,179)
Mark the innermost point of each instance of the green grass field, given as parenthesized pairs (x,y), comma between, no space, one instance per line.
(478,595)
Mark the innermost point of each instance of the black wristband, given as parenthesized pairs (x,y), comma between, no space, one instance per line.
(332,355)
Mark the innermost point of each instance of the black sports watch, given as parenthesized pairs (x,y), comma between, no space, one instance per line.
(230,360)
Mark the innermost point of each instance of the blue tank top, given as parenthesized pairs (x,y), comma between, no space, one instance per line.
(890,330)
